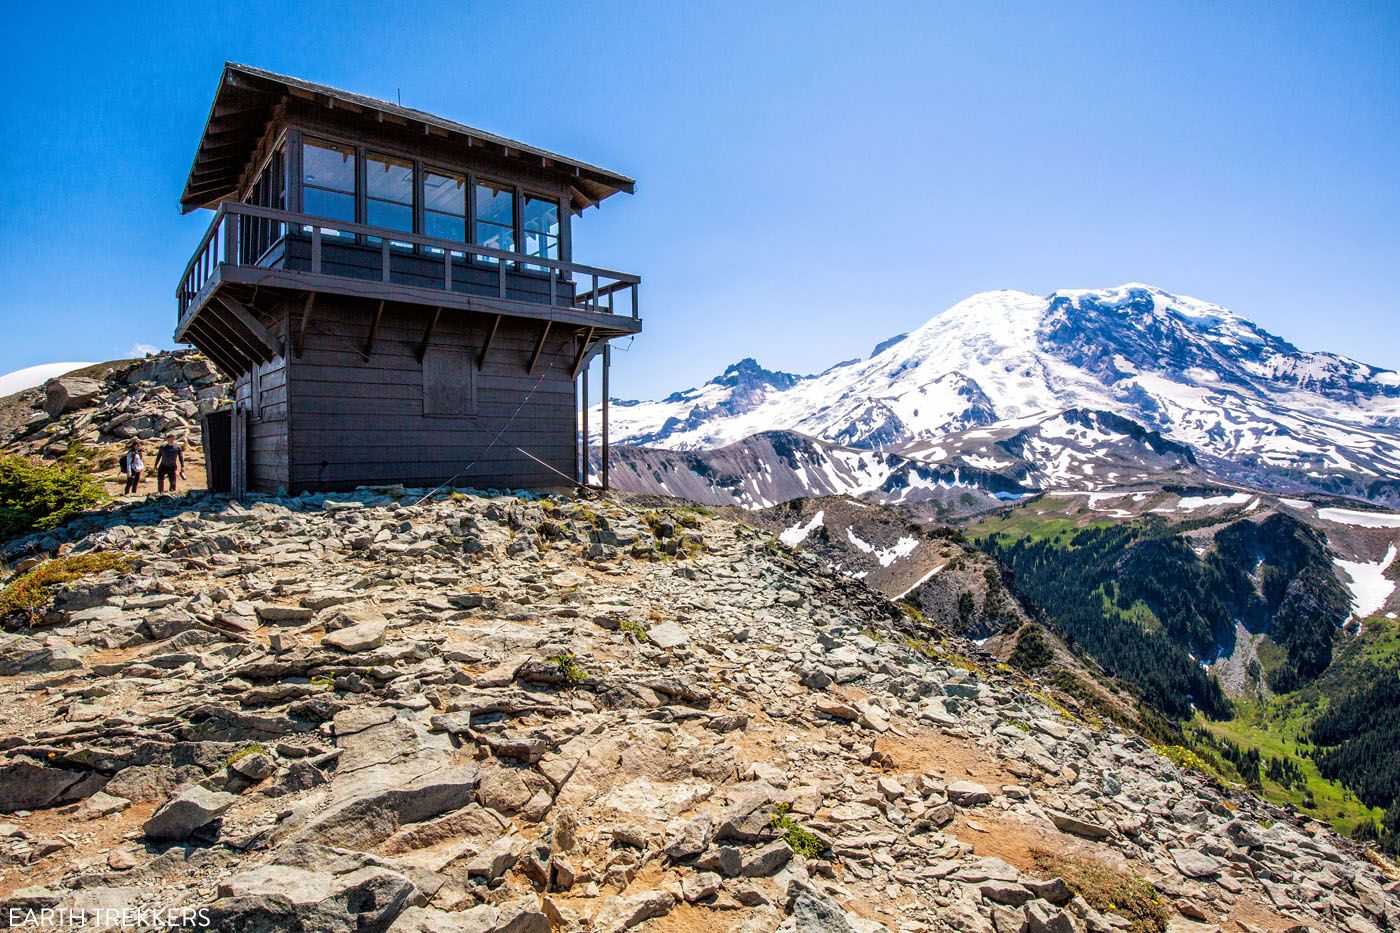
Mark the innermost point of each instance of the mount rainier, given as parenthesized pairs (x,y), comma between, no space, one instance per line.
(1077,389)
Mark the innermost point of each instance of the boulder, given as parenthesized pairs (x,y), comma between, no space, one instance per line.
(21,654)
(766,860)
(189,810)
(968,793)
(66,393)
(668,635)
(1079,826)
(362,637)
(624,913)
(287,897)
(28,786)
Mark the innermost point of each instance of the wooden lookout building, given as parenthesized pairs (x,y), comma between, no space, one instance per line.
(394,294)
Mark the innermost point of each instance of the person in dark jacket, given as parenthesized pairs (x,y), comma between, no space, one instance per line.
(169,459)
(132,465)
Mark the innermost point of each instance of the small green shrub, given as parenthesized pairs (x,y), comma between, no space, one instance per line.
(324,682)
(636,629)
(568,666)
(800,840)
(29,594)
(37,496)
(247,751)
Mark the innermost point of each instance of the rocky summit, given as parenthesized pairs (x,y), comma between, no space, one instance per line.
(464,712)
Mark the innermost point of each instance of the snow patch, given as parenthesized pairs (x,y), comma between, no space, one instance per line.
(32,376)
(1368,584)
(1360,519)
(795,535)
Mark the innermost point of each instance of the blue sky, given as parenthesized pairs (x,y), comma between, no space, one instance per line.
(812,178)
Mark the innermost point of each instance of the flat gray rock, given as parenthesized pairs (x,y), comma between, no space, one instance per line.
(189,810)
(668,635)
(363,637)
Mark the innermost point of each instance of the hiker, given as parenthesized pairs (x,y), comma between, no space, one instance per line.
(169,458)
(132,465)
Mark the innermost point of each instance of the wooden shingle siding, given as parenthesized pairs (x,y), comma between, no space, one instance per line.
(356,421)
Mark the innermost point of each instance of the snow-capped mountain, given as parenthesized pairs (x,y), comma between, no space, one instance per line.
(740,388)
(1252,406)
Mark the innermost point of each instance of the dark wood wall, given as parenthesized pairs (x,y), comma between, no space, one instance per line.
(356,420)
(267,420)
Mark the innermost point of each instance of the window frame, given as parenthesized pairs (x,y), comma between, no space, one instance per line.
(541,270)
(514,190)
(299,133)
(413,196)
(433,168)
(357,180)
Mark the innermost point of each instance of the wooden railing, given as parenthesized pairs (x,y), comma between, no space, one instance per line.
(243,235)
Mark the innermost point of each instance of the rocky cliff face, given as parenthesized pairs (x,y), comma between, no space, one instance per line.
(95,413)
(366,712)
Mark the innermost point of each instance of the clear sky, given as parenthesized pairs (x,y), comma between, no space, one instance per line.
(812,178)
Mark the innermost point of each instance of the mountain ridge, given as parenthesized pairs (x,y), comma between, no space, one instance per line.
(1248,403)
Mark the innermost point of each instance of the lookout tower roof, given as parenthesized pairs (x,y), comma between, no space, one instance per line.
(247,99)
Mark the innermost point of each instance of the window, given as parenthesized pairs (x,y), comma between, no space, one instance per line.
(541,228)
(495,217)
(258,235)
(328,181)
(444,207)
(389,194)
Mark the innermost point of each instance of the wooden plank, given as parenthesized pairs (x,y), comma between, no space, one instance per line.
(428,333)
(616,325)
(305,317)
(351,430)
(535,357)
(607,359)
(235,340)
(373,329)
(238,448)
(255,327)
(212,346)
(582,351)
(490,336)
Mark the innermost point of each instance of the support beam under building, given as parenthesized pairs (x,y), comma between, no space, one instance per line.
(583,476)
(607,360)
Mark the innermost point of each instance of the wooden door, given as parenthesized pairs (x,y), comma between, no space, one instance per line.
(238,452)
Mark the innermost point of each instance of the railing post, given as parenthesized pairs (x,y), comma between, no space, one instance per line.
(593,295)
(501,276)
(634,299)
(384,258)
(553,286)
(316,250)
(230,239)
(447,270)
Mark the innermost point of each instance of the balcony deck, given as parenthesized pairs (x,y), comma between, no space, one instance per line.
(250,251)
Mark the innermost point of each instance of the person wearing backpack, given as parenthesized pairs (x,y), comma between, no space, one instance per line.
(132,465)
(169,459)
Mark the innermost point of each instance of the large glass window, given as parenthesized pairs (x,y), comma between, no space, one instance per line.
(444,206)
(328,180)
(494,212)
(388,194)
(541,223)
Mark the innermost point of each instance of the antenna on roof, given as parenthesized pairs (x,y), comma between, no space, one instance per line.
(398,94)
